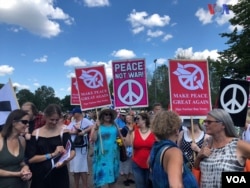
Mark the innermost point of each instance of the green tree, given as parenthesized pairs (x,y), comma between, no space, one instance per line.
(45,96)
(235,61)
(214,77)
(111,87)
(159,87)
(66,106)
(25,95)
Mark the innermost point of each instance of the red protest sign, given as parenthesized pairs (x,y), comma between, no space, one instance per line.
(93,87)
(74,97)
(189,87)
(129,83)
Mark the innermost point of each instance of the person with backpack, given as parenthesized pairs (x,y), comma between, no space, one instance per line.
(167,162)
(79,128)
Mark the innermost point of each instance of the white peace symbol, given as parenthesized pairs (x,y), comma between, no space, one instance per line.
(236,107)
(130,98)
(189,81)
(92,81)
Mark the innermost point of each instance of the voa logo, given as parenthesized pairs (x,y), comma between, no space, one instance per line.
(214,8)
(236,179)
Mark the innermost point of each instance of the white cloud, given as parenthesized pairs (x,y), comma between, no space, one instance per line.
(6,69)
(161,61)
(224,18)
(123,54)
(75,61)
(96,3)
(204,16)
(141,20)
(41,59)
(188,53)
(36,84)
(239,28)
(154,33)
(20,86)
(39,17)
(71,74)
(138,30)
(167,37)
(220,16)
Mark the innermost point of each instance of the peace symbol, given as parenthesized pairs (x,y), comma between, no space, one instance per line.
(190,80)
(92,78)
(130,98)
(233,106)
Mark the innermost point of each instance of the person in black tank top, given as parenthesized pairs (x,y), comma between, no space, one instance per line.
(13,170)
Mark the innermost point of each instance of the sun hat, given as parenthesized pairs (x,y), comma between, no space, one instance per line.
(123,112)
(107,110)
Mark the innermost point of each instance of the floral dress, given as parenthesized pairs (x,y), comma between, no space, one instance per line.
(106,156)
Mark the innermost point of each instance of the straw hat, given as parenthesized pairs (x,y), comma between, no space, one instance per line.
(107,110)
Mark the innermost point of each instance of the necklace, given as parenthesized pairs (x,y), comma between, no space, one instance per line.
(145,131)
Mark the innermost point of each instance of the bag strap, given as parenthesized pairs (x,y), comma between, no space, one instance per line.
(170,145)
(119,132)
(61,134)
(37,133)
(167,146)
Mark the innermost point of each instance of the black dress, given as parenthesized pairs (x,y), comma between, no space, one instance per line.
(43,175)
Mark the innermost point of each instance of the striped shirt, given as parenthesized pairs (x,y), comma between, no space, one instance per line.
(221,160)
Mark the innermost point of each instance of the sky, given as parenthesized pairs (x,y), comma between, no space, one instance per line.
(43,41)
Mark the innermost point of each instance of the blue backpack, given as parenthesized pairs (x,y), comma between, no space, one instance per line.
(158,176)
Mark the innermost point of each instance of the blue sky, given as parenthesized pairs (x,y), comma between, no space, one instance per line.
(42,41)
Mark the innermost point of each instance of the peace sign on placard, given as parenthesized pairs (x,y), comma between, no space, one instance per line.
(130,97)
(92,78)
(233,105)
(234,99)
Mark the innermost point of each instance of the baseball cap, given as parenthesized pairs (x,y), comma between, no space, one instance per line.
(76,110)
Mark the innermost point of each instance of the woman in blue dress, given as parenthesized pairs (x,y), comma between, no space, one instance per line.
(106,151)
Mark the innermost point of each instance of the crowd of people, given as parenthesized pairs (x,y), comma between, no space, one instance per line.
(39,150)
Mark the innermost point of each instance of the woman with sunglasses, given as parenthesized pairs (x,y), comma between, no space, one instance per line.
(13,170)
(223,152)
(142,140)
(106,156)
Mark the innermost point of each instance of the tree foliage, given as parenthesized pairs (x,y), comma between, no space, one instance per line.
(158,89)
(235,61)
(25,95)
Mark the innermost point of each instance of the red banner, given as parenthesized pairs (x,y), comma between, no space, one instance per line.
(74,97)
(248,79)
(130,83)
(189,87)
(93,87)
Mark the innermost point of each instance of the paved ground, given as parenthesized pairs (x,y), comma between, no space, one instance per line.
(119,183)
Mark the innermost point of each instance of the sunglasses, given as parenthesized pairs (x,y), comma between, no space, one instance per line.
(25,122)
(136,119)
(210,121)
